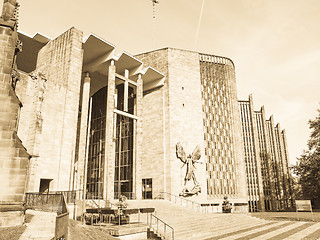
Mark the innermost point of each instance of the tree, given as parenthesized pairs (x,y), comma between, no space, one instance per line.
(308,165)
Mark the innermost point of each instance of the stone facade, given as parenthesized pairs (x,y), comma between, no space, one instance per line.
(176,110)
(13,155)
(107,124)
(252,156)
(225,164)
(51,97)
(275,171)
(185,116)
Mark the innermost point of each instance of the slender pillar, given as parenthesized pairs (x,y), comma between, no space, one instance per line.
(81,181)
(275,162)
(290,183)
(258,160)
(139,148)
(268,159)
(283,165)
(126,91)
(109,166)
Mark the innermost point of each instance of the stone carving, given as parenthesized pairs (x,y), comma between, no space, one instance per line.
(190,162)
(40,86)
(15,77)
(18,47)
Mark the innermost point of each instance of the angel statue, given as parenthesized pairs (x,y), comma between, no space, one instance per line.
(190,161)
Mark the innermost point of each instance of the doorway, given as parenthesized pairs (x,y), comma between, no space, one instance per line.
(147,188)
(44,185)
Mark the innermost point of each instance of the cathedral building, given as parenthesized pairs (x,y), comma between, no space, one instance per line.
(79,116)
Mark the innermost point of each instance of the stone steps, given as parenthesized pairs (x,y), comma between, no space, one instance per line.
(190,224)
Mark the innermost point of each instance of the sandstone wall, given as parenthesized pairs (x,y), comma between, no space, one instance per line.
(13,155)
(57,90)
(156,127)
(181,120)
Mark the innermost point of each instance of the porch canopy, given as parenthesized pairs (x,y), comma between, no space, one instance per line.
(98,55)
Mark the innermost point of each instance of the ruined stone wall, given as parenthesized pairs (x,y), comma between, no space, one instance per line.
(30,90)
(13,155)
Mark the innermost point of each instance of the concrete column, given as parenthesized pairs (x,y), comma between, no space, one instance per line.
(139,148)
(276,172)
(81,181)
(290,180)
(125,92)
(109,164)
(283,165)
(256,152)
(269,160)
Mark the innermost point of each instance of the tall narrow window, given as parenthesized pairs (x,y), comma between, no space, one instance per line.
(97,145)
(123,178)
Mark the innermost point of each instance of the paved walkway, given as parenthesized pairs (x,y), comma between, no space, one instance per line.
(189,224)
(41,226)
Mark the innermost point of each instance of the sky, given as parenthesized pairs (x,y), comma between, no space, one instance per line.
(274,44)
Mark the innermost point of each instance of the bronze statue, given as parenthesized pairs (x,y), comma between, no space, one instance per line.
(226,205)
(190,161)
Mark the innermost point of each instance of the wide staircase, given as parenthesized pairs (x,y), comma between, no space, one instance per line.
(189,224)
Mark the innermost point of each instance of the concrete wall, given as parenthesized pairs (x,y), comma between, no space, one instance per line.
(185,110)
(153,140)
(225,165)
(156,127)
(55,86)
(184,116)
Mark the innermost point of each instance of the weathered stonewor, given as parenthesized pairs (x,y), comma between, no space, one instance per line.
(13,155)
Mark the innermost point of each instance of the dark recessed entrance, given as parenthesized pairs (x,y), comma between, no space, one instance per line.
(96,156)
(44,185)
(147,188)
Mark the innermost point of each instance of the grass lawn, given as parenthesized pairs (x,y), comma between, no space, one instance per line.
(12,233)
(87,232)
(76,231)
(288,216)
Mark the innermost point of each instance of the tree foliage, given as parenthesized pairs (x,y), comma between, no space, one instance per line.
(308,165)
(314,141)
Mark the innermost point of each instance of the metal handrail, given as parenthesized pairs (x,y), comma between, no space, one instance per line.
(62,220)
(113,205)
(158,231)
(70,196)
(54,202)
(45,202)
(129,195)
(198,205)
